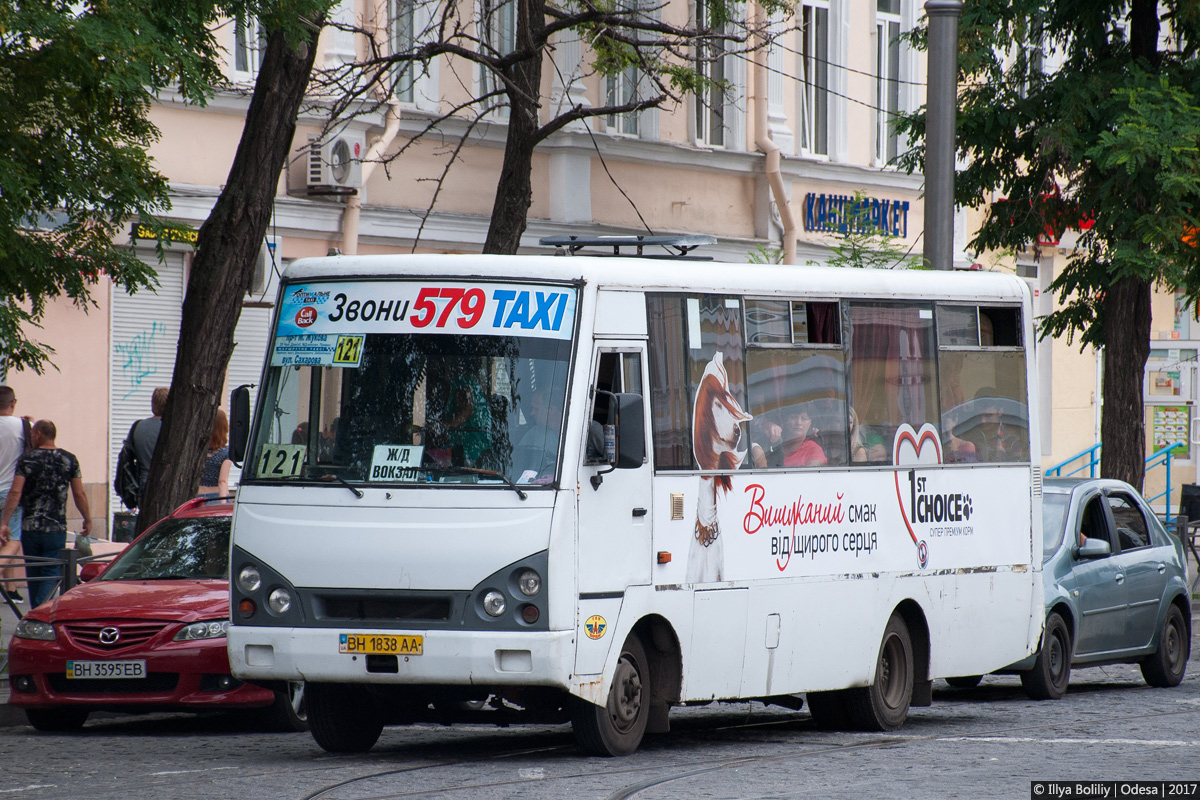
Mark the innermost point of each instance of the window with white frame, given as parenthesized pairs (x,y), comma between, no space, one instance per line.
(814,77)
(887,80)
(1032,54)
(249,45)
(625,87)
(622,88)
(404,37)
(498,37)
(710,63)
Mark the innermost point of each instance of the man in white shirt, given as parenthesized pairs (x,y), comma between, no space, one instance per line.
(12,445)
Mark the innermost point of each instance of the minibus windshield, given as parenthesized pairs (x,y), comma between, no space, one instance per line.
(415,382)
(418,409)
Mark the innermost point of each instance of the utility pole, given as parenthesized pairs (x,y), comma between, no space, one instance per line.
(941,104)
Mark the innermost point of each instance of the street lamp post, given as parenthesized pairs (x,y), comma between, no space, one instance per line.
(941,103)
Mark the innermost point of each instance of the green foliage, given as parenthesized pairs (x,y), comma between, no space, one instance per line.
(76,84)
(861,244)
(762,254)
(1111,139)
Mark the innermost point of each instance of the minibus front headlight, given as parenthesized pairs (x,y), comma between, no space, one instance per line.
(249,579)
(279,600)
(494,603)
(529,582)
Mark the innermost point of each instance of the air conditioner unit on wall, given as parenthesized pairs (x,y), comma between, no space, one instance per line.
(330,166)
(264,266)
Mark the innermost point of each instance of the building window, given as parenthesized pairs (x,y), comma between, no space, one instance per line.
(498,37)
(403,34)
(887,81)
(710,63)
(249,44)
(814,72)
(622,89)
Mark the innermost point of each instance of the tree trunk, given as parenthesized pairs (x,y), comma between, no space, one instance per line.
(514,192)
(1126,318)
(1126,348)
(221,273)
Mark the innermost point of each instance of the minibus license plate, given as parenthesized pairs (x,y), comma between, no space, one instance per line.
(372,644)
(106,669)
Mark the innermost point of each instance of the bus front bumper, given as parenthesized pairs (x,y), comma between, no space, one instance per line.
(447,657)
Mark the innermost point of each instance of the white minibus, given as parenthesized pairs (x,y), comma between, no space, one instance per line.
(591,489)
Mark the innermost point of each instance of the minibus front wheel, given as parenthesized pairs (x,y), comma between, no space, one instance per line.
(617,727)
(342,718)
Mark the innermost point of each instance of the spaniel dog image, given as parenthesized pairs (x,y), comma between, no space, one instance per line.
(716,435)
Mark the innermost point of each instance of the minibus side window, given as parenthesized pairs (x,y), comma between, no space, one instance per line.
(796,384)
(616,373)
(892,366)
(981,365)
(687,332)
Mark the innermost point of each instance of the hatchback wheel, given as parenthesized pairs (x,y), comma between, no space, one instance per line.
(1166,667)
(1051,672)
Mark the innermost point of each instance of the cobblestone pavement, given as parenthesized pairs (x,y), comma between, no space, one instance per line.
(987,742)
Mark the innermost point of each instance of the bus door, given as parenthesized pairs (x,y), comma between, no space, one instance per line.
(614,516)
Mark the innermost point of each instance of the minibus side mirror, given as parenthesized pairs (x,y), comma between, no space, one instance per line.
(628,421)
(631,432)
(239,423)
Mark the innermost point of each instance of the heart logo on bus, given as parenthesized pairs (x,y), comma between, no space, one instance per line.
(912,448)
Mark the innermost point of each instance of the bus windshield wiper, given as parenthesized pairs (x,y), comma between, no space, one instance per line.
(332,477)
(490,473)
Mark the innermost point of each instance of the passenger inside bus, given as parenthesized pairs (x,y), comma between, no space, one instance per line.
(535,448)
(866,445)
(468,418)
(800,445)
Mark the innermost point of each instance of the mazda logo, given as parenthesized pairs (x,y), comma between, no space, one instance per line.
(110,635)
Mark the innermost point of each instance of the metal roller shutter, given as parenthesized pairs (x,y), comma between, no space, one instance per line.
(145,333)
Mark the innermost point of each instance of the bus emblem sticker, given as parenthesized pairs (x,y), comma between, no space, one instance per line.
(595,626)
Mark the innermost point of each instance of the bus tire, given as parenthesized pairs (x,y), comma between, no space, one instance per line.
(965,681)
(342,718)
(883,706)
(617,728)
(829,710)
(1051,671)
(56,720)
(1166,666)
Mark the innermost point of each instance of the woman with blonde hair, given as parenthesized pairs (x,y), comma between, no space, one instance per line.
(215,480)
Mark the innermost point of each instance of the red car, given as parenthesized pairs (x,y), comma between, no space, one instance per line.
(145,634)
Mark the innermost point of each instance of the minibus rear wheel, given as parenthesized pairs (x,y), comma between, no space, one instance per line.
(342,718)
(883,706)
(617,728)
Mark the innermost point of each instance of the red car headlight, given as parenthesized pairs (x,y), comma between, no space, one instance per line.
(214,629)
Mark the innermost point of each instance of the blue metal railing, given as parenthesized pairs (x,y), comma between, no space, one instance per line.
(1090,459)
(1092,454)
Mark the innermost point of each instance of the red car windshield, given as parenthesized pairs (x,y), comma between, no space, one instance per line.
(181,548)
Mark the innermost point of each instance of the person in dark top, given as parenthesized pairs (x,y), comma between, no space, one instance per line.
(40,486)
(145,434)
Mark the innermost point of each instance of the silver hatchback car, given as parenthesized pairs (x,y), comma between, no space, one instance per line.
(1116,589)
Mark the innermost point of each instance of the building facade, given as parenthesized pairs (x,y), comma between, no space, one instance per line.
(831,84)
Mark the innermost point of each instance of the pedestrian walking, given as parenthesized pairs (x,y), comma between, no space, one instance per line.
(15,439)
(40,484)
(145,435)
